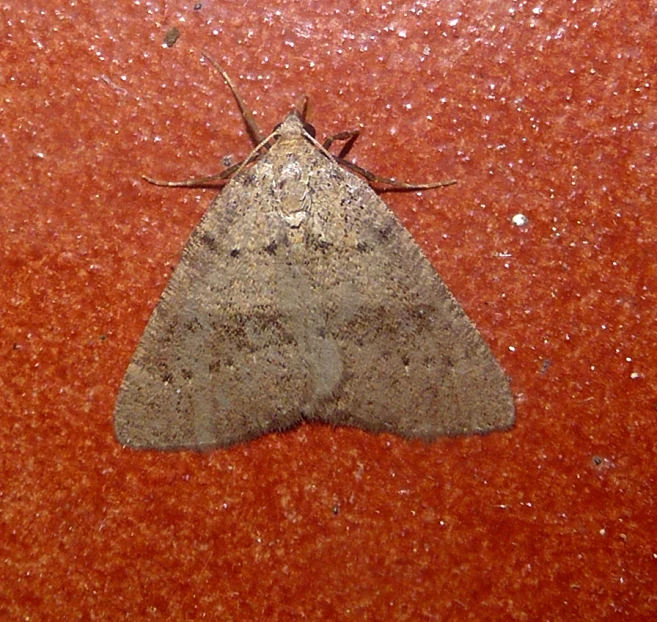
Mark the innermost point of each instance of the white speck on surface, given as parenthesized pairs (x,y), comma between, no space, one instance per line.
(519,220)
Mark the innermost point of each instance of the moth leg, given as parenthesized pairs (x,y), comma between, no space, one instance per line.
(222,177)
(348,136)
(377,179)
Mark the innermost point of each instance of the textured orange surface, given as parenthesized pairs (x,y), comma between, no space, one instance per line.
(547,112)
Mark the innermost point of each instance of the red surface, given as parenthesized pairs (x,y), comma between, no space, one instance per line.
(549,112)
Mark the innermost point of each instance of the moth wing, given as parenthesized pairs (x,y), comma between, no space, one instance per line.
(413,363)
(217,363)
(300,295)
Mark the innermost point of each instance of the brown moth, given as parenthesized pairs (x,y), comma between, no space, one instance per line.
(301,297)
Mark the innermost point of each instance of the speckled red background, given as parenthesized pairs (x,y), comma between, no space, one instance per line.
(543,109)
